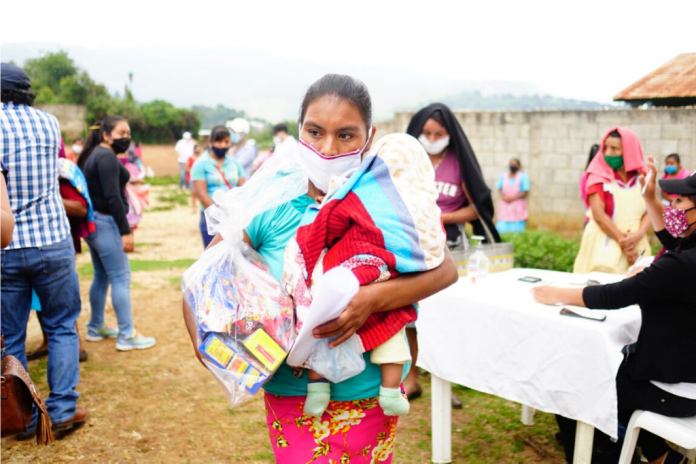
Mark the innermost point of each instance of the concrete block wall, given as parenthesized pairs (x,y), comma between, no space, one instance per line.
(553,148)
(70,117)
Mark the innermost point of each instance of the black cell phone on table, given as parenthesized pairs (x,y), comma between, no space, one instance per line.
(530,279)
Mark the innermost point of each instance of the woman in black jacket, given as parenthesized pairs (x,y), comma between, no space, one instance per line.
(659,371)
(113,238)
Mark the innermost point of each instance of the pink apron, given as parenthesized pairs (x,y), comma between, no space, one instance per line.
(517,210)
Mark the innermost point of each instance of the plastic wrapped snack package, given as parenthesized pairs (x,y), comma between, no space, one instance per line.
(244,319)
(339,363)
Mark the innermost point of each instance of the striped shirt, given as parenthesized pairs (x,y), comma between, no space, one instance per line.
(29,145)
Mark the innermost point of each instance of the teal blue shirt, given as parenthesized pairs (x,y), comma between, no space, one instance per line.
(270,232)
(207,169)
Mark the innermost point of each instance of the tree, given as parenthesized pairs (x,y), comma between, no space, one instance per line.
(49,70)
(56,79)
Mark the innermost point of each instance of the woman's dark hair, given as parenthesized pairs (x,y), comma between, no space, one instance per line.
(18,97)
(78,139)
(675,157)
(341,86)
(615,134)
(218,133)
(439,117)
(96,136)
(593,152)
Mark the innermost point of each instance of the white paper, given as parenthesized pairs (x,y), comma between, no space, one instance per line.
(333,293)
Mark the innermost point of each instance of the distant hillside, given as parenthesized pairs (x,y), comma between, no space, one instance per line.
(475,100)
(212,116)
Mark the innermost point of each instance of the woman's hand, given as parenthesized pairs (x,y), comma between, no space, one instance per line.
(128,242)
(351,319)
(387,296)
(630,240)
(651,188)
(553,295)
(192,331)
(631,255)
(546,295)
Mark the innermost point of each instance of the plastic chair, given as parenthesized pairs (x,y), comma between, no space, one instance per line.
(680,431)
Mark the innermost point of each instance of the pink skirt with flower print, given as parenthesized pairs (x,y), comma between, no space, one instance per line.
(348,432)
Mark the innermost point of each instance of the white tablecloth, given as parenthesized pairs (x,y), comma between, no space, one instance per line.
(493,337)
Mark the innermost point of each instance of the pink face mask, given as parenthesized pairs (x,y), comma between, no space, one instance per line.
(676,220)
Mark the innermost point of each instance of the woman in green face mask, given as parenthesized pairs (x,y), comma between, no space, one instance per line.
(615,235)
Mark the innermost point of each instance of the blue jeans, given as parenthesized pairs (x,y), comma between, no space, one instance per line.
(203,226)
(182,175)
(111,266)
(50,271)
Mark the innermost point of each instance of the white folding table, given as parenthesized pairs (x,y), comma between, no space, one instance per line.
(493,337)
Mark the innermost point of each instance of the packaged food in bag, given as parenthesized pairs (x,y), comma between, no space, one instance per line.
(244,318)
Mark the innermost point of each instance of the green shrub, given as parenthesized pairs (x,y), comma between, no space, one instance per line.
(536,249)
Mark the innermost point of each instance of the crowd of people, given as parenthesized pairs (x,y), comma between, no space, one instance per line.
(51,202)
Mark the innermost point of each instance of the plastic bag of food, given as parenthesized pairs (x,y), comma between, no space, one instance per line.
(339,363)
(244,318)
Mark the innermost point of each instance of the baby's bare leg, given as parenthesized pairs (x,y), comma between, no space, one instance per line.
(391,375)
(314,376)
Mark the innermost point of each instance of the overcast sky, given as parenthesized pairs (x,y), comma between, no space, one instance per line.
(588,49)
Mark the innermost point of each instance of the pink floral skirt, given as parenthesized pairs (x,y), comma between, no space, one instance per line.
(348,432)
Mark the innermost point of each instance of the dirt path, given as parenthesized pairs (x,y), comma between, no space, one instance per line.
(160,405)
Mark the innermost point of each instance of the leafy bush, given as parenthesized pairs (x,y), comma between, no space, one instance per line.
(538,249)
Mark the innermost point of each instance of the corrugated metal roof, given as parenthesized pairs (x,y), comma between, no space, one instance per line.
(676,79)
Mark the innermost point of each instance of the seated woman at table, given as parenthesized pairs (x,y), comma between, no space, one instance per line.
(614,237)
(658,373)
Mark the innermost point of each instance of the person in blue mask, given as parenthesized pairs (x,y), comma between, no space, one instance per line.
(244,149)
(214,171)
(673,170)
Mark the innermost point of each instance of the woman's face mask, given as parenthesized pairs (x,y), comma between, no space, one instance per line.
(321,168)
(613,152)
(120,145)
(77,149)
(219,152)
(614,162)
(677,220)
(436,147)
(119,139)
(434,137)
(220,148)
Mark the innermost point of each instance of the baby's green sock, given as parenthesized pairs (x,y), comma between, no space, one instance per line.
(318,396)
(392,401)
